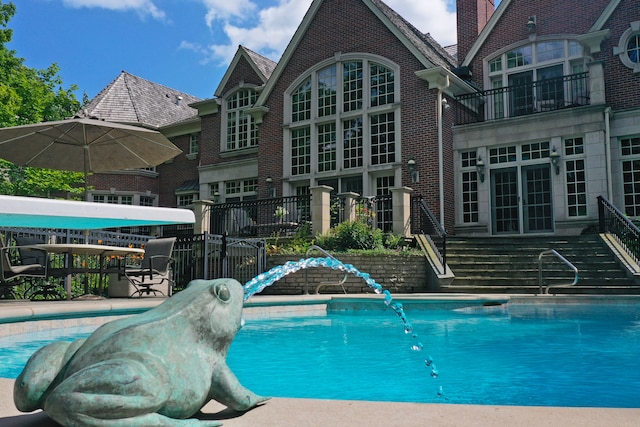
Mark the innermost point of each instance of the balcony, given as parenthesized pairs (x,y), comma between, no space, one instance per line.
(521,100)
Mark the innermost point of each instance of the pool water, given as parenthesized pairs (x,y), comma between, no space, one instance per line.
(532,355)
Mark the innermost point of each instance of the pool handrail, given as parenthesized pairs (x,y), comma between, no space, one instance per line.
(306,271)
(561,258)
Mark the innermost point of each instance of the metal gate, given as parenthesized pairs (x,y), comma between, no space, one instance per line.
(213,256)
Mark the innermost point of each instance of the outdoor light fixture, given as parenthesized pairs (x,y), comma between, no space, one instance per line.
(413,170)
(480,168)
(270,190)
(216,196)
(445,104)
(531,24)
(555,160)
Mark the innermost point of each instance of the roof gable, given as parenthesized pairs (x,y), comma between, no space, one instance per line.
(422,46)
(133,100)
(262,66)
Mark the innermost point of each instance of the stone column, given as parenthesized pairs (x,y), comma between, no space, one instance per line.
(596,83)
(203,216)
(349,205)
(321,209)
(401,206)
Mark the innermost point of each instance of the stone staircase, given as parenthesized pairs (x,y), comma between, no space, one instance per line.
(510,265)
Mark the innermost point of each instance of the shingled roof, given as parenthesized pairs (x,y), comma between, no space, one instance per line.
(427,45)
(133,100)
(264,64)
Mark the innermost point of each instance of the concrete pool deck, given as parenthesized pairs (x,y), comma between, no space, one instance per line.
(17,317)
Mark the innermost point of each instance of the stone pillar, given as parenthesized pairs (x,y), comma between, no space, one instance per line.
(349,205)
(320,209)
(203,216)
(401,206)
(596,83)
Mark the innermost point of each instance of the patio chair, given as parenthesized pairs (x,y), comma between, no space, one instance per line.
(155,268)
(11,272)
(29,255)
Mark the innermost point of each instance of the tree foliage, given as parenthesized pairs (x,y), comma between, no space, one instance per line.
(29,95)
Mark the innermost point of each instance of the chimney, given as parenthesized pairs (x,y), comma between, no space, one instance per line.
(472,16)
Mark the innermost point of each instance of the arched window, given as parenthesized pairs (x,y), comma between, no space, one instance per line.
(628,49)
(342,119)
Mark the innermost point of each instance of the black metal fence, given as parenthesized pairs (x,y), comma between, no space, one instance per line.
(523,99)
(613,221)
(375,210)
(260,218)
(423,221)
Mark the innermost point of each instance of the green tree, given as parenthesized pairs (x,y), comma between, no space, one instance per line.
(30,95)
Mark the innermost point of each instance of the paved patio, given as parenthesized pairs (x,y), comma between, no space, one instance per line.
(303,412)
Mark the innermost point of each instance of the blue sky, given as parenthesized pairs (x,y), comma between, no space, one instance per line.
(183,44)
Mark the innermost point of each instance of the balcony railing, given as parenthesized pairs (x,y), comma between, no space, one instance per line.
(514,101)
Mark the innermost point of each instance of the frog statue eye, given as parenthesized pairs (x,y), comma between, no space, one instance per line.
(222,292)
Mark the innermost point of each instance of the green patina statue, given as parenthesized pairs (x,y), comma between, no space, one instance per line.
(158,368)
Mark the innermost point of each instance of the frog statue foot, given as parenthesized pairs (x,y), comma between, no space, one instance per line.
(158,368)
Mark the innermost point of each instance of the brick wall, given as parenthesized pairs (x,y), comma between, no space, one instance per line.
(398,274)
(472,16)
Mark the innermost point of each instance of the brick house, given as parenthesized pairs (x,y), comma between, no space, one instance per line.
(519,132)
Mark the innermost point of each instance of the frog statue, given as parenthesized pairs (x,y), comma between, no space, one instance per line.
(158,368)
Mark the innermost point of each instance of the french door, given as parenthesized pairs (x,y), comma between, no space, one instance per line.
(521,200)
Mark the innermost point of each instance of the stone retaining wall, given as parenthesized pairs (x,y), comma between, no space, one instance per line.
(398,274)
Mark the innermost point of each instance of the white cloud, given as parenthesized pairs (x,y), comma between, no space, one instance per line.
(142,7)
(272,27)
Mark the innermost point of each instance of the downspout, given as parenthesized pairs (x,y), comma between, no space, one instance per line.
(607,149)
(440,157)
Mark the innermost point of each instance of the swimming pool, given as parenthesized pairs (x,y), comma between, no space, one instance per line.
(531,355)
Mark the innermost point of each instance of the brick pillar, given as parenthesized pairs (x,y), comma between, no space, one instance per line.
(401,206)
(321,209)
(203,216)
(349,205)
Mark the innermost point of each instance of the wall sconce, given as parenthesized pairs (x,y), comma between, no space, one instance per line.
(480,168)
(445,104)
(270,190)
(413,170)
(531,24)
(216,196)
(555,160)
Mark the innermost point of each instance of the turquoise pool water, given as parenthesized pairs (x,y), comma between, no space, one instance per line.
(532,355)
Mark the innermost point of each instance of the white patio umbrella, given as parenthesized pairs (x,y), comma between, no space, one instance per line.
(85,145)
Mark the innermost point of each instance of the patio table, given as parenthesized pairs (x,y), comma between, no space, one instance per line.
(85,250)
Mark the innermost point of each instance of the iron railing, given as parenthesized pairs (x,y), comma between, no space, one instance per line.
(260,218)
(616,223)
(519,100)
(374,210)
(424,222)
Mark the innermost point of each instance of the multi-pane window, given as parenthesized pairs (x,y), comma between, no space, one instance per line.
(327,147)
(502,154)
(327,91)
(301,102)
(631,175)
(194,143)
(633,48)
(576,177)
(113,199)
(352,85)
(242,132)
(519,57)
(537,150)
(242,189)
(343,118)
(382,85)
(301,151)
(383,143)
(352,143)
(146,201)
(185,200)
(469,186)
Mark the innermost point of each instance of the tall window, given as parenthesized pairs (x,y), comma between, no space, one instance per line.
(194,144)
(631,175)
(343,118)
(384,208)
(242,131)
(576,177)
(469,186)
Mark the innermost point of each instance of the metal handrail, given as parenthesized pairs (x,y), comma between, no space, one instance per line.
(306,270)
(561,258)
